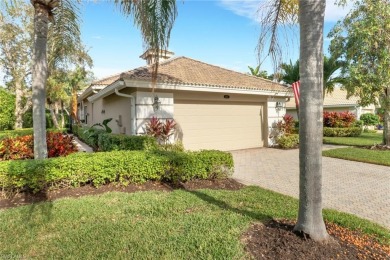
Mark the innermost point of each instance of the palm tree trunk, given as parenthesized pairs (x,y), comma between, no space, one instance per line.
(39,77)
(311,20)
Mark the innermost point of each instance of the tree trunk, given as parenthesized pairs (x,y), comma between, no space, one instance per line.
(73,108)
(39,77)
(18,104)
(386,118)
(54,117)
(310,219)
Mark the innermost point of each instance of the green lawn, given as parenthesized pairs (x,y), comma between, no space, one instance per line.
(365,139)
(204,224)
(360,155)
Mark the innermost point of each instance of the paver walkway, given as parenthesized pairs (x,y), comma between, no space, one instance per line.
(358,188)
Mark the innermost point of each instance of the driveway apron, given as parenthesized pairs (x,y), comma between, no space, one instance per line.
(358,188)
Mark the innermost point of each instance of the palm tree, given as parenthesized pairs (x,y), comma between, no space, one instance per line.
(257,72)
(311,23)
(290,72)
(155,18)
(331,66)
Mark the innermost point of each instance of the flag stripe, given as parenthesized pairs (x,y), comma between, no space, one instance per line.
(295,87)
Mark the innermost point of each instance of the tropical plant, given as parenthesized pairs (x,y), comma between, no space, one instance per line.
(339,119)
(361,40)
(257,72)
(287,125)
(155,19)
(290,73)
(162,131)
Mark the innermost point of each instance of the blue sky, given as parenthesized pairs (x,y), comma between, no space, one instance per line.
(220,32)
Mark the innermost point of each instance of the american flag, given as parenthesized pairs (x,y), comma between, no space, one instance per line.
(295,87)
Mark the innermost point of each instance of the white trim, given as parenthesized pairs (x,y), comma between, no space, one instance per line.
(187,87)
(110,89)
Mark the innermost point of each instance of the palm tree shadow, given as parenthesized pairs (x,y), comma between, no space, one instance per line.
(39,209)
(255,215)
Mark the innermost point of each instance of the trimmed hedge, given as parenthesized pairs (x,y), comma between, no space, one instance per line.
(118,166)
(288,141)
(115,142)
(342,132)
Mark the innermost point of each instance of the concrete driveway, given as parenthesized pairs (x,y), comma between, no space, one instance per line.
(358,188)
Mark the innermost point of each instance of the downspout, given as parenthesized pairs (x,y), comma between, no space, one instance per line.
(132,110)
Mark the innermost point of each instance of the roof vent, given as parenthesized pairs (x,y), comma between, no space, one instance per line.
(150,55)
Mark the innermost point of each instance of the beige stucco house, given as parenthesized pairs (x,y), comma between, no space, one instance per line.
(214,108)
(336,101)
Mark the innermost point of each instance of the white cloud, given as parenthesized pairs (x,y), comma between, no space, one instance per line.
(97,37)
(249,9)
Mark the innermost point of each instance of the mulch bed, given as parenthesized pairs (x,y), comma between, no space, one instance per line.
(25,198)
(276,240)
(273,240)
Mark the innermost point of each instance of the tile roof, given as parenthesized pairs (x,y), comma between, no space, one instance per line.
(337,98)
(107,81)
(186,71)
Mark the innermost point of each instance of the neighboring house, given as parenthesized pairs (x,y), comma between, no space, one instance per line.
(214,108)
(336,101)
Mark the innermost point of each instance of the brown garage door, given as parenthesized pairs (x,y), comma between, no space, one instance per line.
(219,125)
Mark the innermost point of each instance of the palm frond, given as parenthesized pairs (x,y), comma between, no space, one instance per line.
(155,19)
(276,17)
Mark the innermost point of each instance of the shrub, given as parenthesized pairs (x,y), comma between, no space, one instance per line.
(7,109)
(338,119)
(117,166)
(111,142)
(22,147)
(369,119)
(25,131)
(287,125)
(342,132)
(59,144)
(288,141)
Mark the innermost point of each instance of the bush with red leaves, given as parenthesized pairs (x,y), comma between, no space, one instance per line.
(22,147)
(339,119)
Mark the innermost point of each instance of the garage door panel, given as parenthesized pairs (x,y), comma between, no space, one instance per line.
(223,126)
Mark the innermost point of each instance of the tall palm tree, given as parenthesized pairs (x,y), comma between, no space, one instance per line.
(311,24)
(155,18)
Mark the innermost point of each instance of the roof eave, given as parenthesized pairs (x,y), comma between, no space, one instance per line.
(207,88)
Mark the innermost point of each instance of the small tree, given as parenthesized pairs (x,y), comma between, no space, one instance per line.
(7,116)
(369,119)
